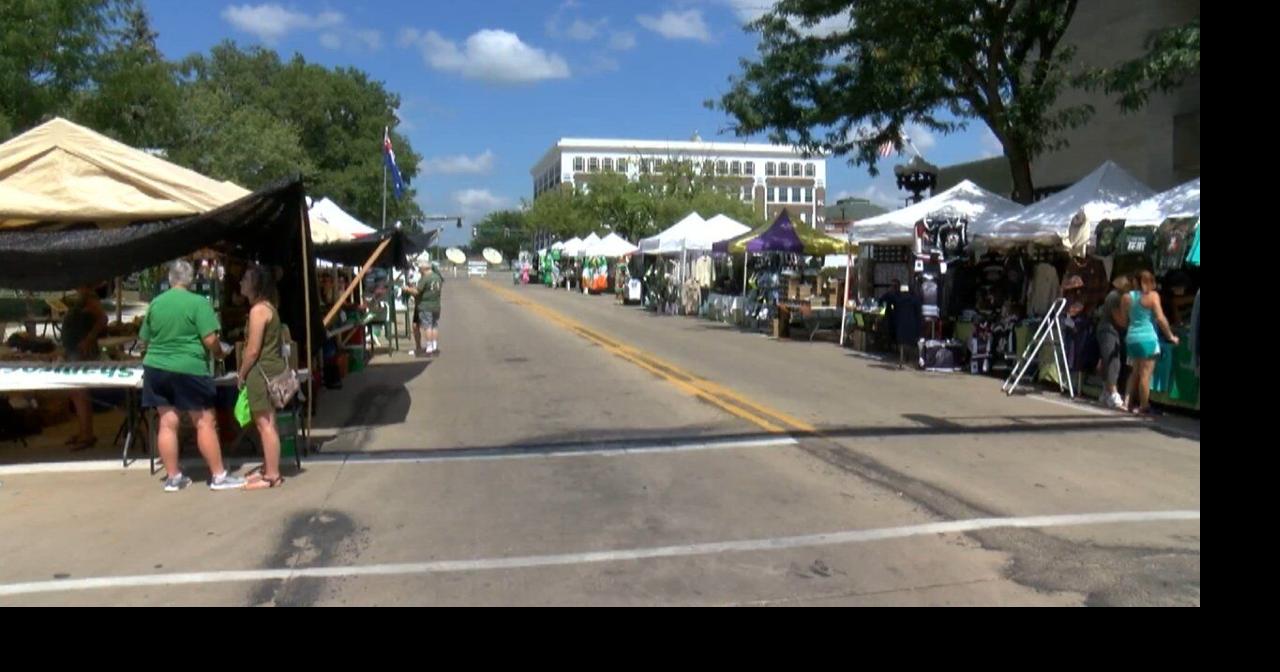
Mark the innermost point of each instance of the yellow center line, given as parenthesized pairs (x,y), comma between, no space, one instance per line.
(765,417)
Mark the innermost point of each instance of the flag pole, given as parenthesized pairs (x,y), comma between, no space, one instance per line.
(385,135)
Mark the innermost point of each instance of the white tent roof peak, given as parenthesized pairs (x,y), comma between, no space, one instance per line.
(1105,190)
(966,199)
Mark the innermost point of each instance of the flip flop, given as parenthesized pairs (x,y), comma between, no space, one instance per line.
(264,483)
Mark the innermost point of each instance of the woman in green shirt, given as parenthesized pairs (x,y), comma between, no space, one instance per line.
(181,336)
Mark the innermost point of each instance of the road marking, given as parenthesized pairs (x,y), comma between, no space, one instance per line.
(767,418)
(570,559)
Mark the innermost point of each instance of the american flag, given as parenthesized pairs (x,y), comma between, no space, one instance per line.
(887,149)
(390,155)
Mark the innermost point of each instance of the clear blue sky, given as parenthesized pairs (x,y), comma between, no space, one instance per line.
(489,85)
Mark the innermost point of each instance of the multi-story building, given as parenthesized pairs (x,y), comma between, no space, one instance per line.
(770,177)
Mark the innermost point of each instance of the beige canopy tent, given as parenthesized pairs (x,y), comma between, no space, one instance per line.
(62,172)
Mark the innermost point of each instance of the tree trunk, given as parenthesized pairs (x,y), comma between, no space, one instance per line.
(1020,167)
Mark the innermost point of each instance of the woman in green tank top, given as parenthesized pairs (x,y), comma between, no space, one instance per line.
(263,359)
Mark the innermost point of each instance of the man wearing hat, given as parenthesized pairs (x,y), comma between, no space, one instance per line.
(426,316)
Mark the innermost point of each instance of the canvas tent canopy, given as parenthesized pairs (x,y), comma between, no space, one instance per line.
(77,208)
(63,172)
(783,236)
(358,252)
(1107,189)
(611,246)
(571,247)
(266,226)
(965,199)
(1182,201)
(671,240)
(326,212)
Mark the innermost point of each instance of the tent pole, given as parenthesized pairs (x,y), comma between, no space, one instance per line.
(844,307)
(307,269)
(351,288)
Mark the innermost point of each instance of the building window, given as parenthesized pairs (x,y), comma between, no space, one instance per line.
(809,170)
(782,170)
(795,195)
(746,193)
(749,168)
(735,168)
(808,195)
(722,167)
(770,169)
(782,194)
(795,170)
(608,165)
(622,165)
(644,166)
(593,165)
(773,195)
(579,164)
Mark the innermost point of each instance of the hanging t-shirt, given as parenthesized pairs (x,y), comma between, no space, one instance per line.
(1107,237)
(929,296)
(1044,290)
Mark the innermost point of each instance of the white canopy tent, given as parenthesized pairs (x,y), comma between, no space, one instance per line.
(966,199)
(338,220)
(587,243)
(670,241)
(571,247)
(1105,190)
(611,246)
(1179,202)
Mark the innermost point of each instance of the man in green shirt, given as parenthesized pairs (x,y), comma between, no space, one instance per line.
(428,292)
(181,336)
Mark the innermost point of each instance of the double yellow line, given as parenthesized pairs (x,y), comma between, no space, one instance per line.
(764,417)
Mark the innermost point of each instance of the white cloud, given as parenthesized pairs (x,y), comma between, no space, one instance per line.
(750,10)
(921,136)
(495,56)
(407,37)
(372,39)
(272,22)
(481,164)
(474,204)
(584,31)
(686,25)
(600,63)
(331,41)
(625,41)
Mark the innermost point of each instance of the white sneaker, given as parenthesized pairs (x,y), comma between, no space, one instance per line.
(1117,401)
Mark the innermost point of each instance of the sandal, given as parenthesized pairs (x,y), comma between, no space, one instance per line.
(83,444)
(264,483)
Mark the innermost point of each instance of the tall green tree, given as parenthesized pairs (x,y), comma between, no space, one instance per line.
(51,51)
(244,144)
(134,94)
(1171,57)
(889,63)
(338,116)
